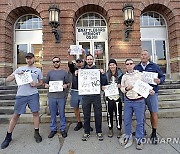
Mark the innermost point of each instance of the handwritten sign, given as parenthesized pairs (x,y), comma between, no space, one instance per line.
(22,79)
(142,88)
(55,86)
(149,77)
(89,81)
(75,49)
(111,90)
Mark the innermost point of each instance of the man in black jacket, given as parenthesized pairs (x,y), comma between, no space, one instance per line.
(75,98)
(95,99)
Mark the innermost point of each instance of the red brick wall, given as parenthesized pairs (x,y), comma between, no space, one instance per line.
(10,11)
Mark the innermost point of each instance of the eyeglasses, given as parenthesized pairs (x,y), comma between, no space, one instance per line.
(56,62)
(129,63)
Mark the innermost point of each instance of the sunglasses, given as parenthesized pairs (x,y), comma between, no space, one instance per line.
(129,63)
(56,62)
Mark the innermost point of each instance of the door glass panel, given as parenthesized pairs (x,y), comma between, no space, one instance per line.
(21,52)
(146,45)
(85,46)
(161,54)
(37,50)
(99,54)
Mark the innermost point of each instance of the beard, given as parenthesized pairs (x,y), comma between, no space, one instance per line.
(56,66)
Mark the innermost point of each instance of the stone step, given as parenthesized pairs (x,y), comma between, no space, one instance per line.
(68,109)
(169,97)
(169,91)
(7,102)
(169,104)
(45,118)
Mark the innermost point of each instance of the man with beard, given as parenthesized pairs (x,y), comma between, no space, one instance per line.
(95,99)
(27,94)
(57,100)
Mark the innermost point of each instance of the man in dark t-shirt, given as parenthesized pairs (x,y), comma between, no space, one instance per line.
(57,98)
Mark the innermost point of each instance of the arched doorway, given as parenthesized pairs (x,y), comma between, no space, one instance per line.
(154,38)
(28,38)
(91,33)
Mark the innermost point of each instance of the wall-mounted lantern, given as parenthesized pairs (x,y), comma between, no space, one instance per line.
(128,18)
(54,13)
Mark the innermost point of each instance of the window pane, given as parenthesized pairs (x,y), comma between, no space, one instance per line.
(85,22)
(91,23)
(161,54)
(146,45)
(29,22)
(97,23)
(21,52)
(103,23)
(91,19)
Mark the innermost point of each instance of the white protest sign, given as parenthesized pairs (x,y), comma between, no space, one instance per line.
(76,50)
(89,81)
(111,90)
(142,88)
(55,86)
(149,77)
(24,78)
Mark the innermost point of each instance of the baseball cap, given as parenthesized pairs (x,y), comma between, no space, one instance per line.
(78,60)
(29,55)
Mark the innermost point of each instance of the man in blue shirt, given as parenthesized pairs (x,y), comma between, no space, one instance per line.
(151,100)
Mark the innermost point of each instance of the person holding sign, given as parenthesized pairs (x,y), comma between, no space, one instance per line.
(133,102)
(57,81)
(152,100)
(75,98)
(114,98)
(95,99)
(29,78)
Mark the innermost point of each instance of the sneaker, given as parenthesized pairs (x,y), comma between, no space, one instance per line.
(64,134)
(51,134)
(119,133)
(85,137)
(78,126)
(154,138)
(110,133)
(139,146)
(37,137)
(126,141)
(6,142)
(129,142)
(100,136)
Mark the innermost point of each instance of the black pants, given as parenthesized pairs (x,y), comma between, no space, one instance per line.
(86,106)
(114,106)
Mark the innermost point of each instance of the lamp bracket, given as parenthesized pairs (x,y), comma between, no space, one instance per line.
(56,34)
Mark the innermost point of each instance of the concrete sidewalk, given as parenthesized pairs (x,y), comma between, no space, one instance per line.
(23,141)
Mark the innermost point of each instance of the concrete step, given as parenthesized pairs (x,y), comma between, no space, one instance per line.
(169,91)
(169,97)
(7,102)
(169,104)
(45,118)
(6,109)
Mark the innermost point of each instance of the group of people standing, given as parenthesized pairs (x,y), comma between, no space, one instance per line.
(133,102)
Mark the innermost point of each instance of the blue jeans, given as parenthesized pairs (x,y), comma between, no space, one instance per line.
(57,104)
(138,107)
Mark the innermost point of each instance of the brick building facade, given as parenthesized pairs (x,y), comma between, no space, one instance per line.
(71,11)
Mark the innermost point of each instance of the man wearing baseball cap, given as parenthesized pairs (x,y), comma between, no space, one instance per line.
(27,95)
